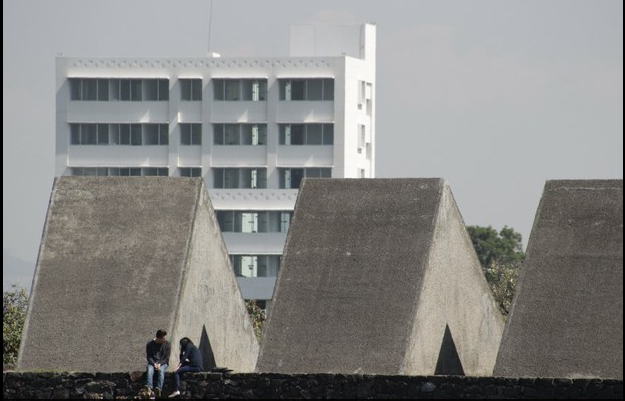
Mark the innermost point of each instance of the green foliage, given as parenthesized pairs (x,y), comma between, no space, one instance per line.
(14,304)
(258,318)
(501,255)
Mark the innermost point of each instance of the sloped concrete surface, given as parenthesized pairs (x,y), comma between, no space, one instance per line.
(114,267)
(350,297)
(567,316)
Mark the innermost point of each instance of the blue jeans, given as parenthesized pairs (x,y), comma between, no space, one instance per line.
(161,375)
(182,370)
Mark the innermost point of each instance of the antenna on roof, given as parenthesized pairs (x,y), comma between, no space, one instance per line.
(210,19)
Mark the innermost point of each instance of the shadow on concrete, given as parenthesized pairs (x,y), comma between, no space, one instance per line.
(448,360)
(206,350)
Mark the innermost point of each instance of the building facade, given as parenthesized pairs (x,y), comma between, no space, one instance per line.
(252,127)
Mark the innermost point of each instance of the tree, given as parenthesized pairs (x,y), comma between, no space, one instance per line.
(14,305)
(500,255)
(258,318)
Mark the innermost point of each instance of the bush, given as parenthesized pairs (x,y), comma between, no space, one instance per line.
(258,318)
(14,305)
(500,255)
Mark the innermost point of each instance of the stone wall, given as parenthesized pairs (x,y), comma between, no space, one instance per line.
(268,385)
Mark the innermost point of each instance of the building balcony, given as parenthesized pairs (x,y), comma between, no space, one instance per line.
(190,156)
(118,155)
(118,112)
(254,243)
(305,111)
(305,156)
(238,111)
(239,155)
(190,112)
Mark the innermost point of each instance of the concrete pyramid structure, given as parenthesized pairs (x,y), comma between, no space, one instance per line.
(567,315)
(379,276)
(121,257)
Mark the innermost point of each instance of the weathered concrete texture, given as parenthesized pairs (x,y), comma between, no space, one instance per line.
(122,257)
(567,316)
(373,273)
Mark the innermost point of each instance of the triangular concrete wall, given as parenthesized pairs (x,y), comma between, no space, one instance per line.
(122,257)
(567,315)
(373,273)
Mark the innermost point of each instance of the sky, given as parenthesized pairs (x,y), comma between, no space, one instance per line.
(494,96)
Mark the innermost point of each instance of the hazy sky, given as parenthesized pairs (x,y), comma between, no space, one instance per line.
(494,96)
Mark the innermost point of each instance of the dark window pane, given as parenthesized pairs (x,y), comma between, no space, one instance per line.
(74,138)
(297,134)
(103,134)
(125,89)
(135,134)
(313,134)
(328,134)
(124,134)
(89,89)
(185,89)
(135,90)
(196,89)
(297,90)
(163,89)
(103,89)
(328,89)
(75,85)
(314,89)
(218,89)
(296,177)
(151,89)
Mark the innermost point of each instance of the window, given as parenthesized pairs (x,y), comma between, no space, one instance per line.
(83,88)
(255,265)
(190,171)
(231,90)
(240,134)
(119,134)
(292,177)
(240,177)
(253,221)
(306,134)
(155,89)
(121,171)
(103,134)
(84,134)
(136,139)
(136,90)
(124,134)
(191,89)
(124,89)
(361,93)
(153,171)
(307,89)
(285,221)
(163,89)
(191,134)
(254,89)
(155,134)
(361,137)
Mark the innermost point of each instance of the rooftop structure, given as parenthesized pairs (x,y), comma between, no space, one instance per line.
(121,258)
(567,315)
(380,277)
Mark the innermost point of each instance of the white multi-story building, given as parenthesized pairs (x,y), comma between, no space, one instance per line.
(252,127)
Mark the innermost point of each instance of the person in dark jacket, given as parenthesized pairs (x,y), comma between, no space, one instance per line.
(157,353)
(190,361)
